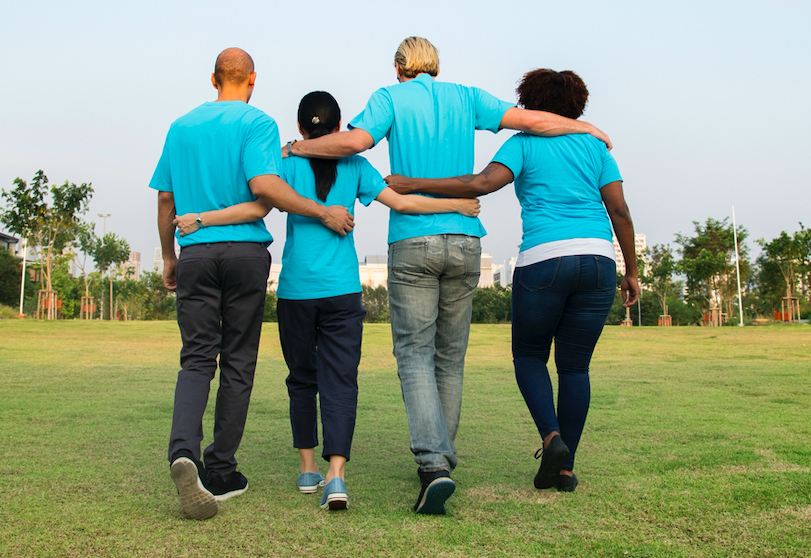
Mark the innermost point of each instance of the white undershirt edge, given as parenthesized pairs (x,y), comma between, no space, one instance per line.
(570,247)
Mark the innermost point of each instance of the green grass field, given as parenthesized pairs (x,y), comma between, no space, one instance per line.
(698,443)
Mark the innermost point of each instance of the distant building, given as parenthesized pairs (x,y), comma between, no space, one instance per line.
(157,262)
(486,277)
(134,264)
(640,245)
(503,273)
(374,271)
(273,278)
(8,242)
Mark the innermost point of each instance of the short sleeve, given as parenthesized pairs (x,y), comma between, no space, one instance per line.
(370,183)
(288,173)
(162,177)
(511,155)
(378,116)
(263,153)
(610,172)
(489,110)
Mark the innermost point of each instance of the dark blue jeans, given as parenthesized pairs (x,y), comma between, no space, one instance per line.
(566,299)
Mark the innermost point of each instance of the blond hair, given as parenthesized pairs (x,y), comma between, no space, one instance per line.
(416,55)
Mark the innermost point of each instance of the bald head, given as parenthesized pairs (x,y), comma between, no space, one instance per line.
(234,66)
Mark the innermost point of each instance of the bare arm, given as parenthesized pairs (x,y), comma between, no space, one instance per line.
(422,204)
(617,209)
(166,231)
(333,146)
(275,192)
(539,123)
(493,177)
(240,213)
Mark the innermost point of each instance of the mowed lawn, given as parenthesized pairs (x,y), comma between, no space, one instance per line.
(698,443)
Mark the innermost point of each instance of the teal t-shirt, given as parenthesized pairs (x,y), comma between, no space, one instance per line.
(318,262)
(430,126)
(208,158)
(558,181)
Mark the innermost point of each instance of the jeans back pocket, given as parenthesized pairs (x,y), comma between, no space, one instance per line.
(538,276)
(407,261)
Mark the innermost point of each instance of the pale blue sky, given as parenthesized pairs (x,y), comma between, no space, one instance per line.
(707,103)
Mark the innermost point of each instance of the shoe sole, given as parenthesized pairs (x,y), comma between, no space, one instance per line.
(197,502)
(336,501)
(433,501)
(310,489)
(221,497)
(548,477)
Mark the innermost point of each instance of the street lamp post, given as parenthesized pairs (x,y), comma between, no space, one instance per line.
(104,231)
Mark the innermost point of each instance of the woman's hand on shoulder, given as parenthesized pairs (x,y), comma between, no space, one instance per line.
(469,207)
(186,224)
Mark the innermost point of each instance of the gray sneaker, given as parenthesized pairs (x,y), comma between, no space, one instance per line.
(197,501)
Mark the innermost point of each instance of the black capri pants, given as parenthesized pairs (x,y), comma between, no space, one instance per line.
(321,342)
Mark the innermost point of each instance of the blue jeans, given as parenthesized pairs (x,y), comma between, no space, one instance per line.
(566,299)
(431,283)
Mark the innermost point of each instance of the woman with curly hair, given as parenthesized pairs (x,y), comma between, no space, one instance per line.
(570,191)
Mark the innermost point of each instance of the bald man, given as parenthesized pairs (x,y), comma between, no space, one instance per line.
(218,155)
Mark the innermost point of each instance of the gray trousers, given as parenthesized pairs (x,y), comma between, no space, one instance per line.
(220,303)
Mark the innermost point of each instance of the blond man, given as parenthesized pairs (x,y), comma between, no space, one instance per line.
(434,260)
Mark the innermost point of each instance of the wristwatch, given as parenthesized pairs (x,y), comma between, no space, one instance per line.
(199,221)
(290,148)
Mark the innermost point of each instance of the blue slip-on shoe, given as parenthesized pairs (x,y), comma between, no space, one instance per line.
(334,497)
(436,487)
(309,482)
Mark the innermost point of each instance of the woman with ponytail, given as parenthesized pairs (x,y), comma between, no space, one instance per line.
(319,294)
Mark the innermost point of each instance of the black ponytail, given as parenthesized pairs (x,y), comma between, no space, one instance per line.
(318,115)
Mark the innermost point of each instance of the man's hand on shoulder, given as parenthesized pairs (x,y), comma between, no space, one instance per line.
(337,218)
(398,183)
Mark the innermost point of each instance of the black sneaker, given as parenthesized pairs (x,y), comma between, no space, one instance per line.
(437,487)
(567,483)
(222,488)
(197,501)
(552,459)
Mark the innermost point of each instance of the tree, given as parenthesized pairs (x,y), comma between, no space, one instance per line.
(708,263)
(87,242)
(659,273)
(492,305)
(10,273)
(49,228)
(790,255)
(270,314)
(110,251)
(131,297)
(160,302)
(376,302)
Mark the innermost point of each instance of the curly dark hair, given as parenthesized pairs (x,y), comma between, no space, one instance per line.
(563,93)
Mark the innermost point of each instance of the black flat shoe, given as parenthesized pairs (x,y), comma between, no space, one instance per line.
(567,483)
(552,459)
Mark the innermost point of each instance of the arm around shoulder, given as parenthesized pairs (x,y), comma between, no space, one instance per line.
(540,123)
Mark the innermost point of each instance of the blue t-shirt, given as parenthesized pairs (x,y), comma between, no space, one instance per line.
(558,181)
(208,158)
(430,127)
(318,262)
